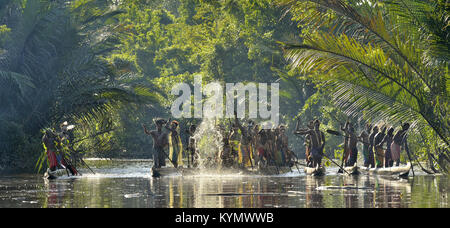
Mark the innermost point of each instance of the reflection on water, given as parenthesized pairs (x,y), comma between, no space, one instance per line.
(132,186)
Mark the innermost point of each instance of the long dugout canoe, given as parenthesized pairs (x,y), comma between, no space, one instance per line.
(51,175)
(169,171)
(401,171)
(270,170)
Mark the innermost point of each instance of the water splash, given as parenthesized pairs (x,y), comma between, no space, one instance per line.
(208,139)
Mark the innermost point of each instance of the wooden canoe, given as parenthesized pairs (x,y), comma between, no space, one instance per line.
(167,171)
(184,171)
(351,170)
(320,171)
(400,171)
(51,175)
(271,170)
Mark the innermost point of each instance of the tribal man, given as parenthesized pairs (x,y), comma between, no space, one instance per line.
(159,143)
(317,142)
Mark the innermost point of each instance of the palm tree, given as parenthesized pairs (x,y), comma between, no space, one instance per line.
(53,68)
(381,60)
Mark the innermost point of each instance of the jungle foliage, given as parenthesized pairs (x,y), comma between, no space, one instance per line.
(108,67)
(53,68)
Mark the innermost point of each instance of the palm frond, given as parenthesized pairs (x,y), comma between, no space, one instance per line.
(327,53)
(353,99)
(362,21)
(427,20)
(22,82)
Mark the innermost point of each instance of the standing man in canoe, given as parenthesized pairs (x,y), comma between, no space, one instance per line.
(379,152)
(388,140)
(371,147)
(277,146)
(364,137)
(346,152)
(66,135)
(282,144)
(317,142)
(191,149)
(270,146)
(261,150)
(159,142)
(286,152)
(174,143)
(307,143)
(255,146)
(398,142)
(245,148)
(234,142)
(66,147)
(352,146)
(49,142)
(226,153)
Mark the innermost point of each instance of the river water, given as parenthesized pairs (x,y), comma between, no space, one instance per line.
(129,184)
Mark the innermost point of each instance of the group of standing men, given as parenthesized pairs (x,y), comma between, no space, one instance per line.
(373,140)
(243,145)
(252,146)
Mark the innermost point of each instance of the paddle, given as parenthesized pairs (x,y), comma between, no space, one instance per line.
(327,158)
(345,152)
(80,159)
(409,156)
(84,163)
(333,132)
(343,155)
(303,140)
(298,163)
(323,154)
(189,158)
(167,156)
(176,166)
(69,166)
(295,162)
(273,161)
(66,167)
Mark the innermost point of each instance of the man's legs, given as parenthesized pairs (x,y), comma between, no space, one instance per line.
(316,157)
(371,158)
(353,157)
(366,155)
(162,158)
(52,160)
(156,162)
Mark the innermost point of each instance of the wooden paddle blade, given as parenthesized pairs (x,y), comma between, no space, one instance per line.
(333,132)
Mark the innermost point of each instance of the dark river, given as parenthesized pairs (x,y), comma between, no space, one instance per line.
(129,184)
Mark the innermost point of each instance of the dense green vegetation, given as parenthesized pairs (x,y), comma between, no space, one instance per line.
(108,67)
